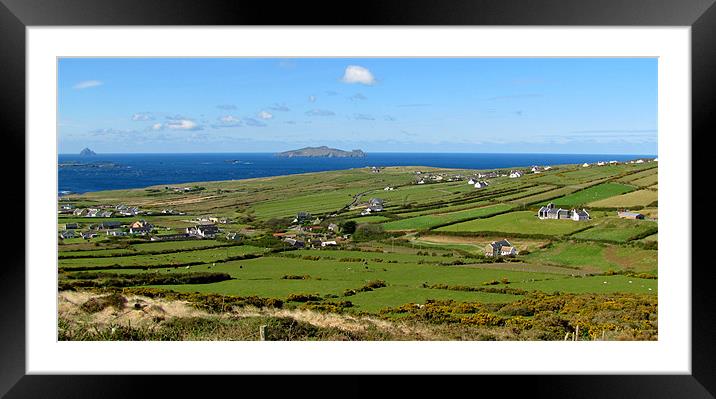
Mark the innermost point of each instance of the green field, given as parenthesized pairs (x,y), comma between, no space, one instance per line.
(635,198)
(168,260)
(592,194)
(435,219)
(596,257)
(521,222)
(614,229)
(429,236)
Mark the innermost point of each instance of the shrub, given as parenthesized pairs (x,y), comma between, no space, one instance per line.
(303,297)
(98,304)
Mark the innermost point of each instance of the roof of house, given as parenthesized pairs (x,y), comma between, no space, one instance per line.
(500,244)
(581,212)
(506,248)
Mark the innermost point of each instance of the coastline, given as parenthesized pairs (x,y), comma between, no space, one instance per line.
(135,171)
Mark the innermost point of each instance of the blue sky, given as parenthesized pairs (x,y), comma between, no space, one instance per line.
(552,105)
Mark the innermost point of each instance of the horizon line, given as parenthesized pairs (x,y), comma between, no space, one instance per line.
(365,152)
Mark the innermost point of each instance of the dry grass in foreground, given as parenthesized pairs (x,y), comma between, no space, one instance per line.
(99,316)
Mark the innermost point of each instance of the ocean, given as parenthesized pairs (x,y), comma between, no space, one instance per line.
(81,174)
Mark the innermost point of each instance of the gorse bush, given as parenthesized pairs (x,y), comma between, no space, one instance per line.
(303,297)
(98,304)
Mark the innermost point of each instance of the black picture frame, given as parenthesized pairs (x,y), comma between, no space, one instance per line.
(16,15)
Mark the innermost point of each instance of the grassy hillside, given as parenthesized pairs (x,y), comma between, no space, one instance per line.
(425,247)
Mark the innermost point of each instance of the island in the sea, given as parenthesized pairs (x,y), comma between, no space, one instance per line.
(322,151)
(87,151)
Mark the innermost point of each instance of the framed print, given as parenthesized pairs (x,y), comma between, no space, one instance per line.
(463,189)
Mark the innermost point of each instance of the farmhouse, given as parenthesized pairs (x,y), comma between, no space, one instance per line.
(143,230)
(585,165)
(371,209)
(515,174)
(116,233)
(140,224)
(109,225)
(294,243)
(500,248)
(333,227)
(578,215)
(67,234)
(376,201)
(207,230)
(550,212)
(70,226)
(471,181)
(481,184)
(508,251)
(629,215)
(328,243)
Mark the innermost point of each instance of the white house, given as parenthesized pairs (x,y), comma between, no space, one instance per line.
(550,212)
(207,230)
(481,184)
(328,243)
(508,251)
(515,174)
(578,215)
(500,248)
(471,181)
(585,165)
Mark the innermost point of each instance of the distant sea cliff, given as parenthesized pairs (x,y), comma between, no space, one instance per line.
(321,152)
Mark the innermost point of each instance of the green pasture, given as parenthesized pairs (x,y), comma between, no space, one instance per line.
(200,255)
(521,222)
(635,198)
(429,221)
(615,229)
(591,194)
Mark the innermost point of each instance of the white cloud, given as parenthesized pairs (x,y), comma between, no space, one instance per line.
(87,84)
(227,121)
(312,99)
(265,115)
(358,74)
(157,126)
(182,124)
(143,116)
